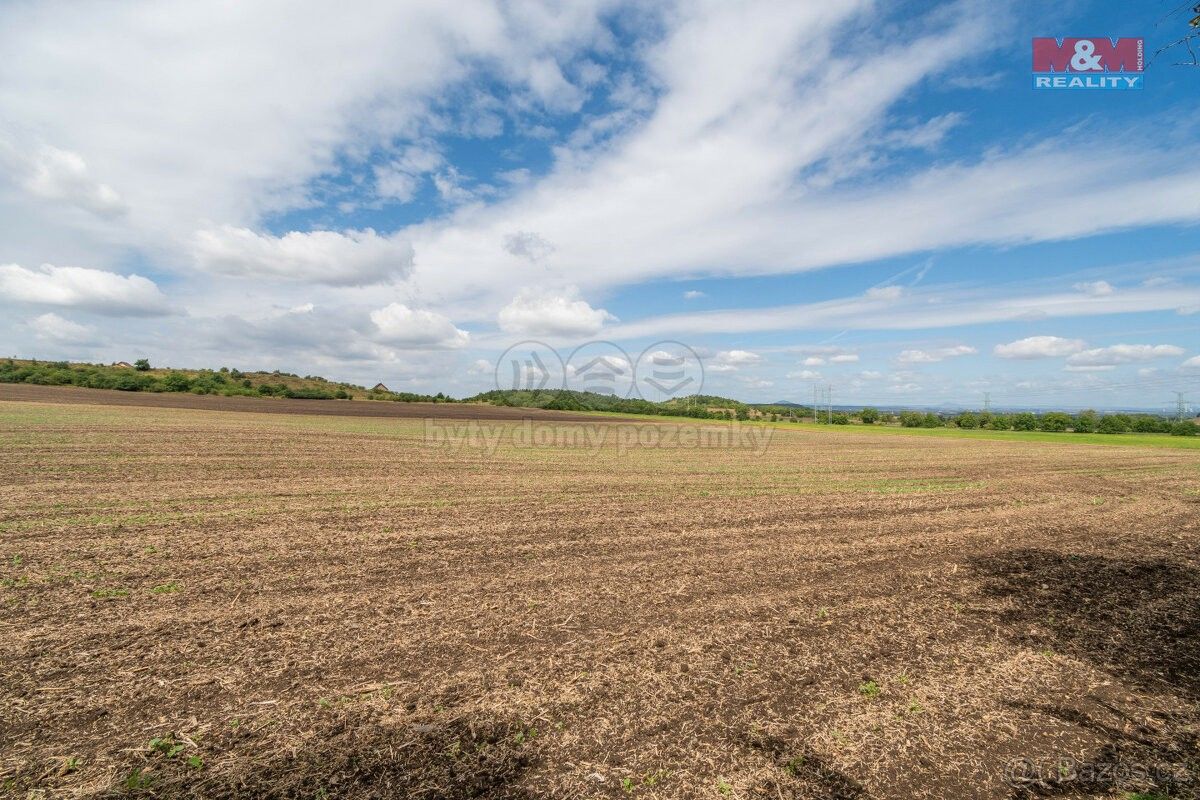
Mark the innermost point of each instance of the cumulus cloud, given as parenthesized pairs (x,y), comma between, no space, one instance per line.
(536,312)
(935,355)
(805,375)
(814,361)
(731,360)
(693,294)
(349,258)
(398,325)
(52,328)
(86,289)
(737,357)
(1191,363)
(844,358)
(1039,347)
(1122,354)
(63,175)
(395,184)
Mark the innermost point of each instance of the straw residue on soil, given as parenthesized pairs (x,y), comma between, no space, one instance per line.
(248,605)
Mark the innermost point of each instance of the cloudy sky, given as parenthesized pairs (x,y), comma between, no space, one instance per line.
(863,194)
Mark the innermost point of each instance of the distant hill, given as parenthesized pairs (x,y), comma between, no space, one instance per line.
(697,406)
(140,377)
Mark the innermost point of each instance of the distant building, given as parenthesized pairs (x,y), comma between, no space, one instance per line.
(125,364)
(379,387)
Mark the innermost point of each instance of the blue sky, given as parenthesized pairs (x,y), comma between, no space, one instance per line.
(864,195)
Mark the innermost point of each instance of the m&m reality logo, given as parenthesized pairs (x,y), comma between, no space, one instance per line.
(1095,63)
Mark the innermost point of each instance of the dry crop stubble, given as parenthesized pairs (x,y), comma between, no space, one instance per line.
(231,604)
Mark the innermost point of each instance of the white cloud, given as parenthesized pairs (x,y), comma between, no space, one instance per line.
(1039,347)
(885,292)
(452,187)
(1191,363)
(185,122)
(61,175)
(929,307)
(1122,354)
(731,360)
(813,361)
(536,312)
(844,358)
(738,357)
(934,355)
(928,135)
(705,160)
(396,184)
(616,364)
(528,245)
(401,326)
(805,375)
(351,258)
(693,294)
(871,375)
(87,289)
(57,330)
(515,177)
(1095,288)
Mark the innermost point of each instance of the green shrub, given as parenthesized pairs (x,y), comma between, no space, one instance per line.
(1184,429)
(1024,421)
(1055,422)
(1147,424)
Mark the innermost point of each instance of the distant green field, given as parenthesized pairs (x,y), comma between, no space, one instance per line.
(1110,439)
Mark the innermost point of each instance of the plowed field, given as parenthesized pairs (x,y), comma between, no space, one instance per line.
(210,605)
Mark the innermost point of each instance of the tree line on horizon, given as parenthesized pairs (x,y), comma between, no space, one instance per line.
(140,377)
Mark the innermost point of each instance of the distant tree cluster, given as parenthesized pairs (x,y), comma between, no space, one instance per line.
(713,407)
(142,379)
(1051,422)
(695,406)
(233,382)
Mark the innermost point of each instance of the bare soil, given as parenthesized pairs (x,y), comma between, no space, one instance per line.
(246,605)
